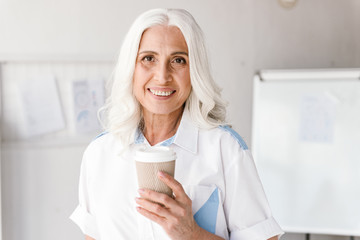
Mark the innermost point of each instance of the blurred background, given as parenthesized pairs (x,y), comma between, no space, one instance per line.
(56,56)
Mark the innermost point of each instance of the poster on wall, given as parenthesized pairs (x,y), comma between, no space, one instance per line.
(317,118)
(41,106)
(88,98)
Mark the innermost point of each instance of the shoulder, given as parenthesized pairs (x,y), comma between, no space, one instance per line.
(102,144)
(225,136)
(100,153)
(101,135)
(227,130)
(100,140)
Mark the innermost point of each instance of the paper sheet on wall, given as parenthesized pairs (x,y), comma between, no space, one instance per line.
(41,106)
(317,118)
(88,98)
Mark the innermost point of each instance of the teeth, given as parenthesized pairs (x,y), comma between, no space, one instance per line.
(161,93)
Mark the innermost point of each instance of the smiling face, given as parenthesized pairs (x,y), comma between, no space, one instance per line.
(161,80)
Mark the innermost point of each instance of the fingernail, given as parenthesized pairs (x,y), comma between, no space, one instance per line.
(141,190)
(161,174)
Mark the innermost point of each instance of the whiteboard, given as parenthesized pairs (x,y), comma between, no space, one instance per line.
(306,143)
(1,117)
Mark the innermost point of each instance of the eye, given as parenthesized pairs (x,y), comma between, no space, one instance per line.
(179,60)
(148,59)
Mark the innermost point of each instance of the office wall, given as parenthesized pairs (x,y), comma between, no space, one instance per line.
(315,34)
(356,7)
(242,35)
(83,30)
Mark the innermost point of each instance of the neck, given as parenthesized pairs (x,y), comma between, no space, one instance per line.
(159,127)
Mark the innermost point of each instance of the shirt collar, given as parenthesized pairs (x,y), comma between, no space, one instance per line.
(139,137)
(186,136)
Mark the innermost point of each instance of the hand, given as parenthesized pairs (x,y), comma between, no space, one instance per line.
(174,215)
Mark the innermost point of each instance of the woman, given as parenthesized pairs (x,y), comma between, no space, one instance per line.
(163,94)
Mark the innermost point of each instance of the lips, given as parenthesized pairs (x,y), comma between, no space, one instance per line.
(161,93)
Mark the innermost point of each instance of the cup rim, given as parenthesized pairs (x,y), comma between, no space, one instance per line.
(155,154)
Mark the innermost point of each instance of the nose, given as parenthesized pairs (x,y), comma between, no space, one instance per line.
(162,72)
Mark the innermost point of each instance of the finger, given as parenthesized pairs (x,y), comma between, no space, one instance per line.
(173,184)
(159,198)
(153,207)
(159,220)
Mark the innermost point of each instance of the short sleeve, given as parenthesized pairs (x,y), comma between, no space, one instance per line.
(246,207)
(85,221)
(82,215)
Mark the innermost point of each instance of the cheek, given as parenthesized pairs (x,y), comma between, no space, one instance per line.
(185,82)
(137,89)
(141,75)
(138,82)
(187,86)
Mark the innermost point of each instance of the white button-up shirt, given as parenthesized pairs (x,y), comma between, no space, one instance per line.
(215,168)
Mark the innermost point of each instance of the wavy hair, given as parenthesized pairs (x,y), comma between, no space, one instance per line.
(122,112)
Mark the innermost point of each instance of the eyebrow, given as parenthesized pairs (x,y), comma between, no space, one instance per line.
(155,53)
(180,53)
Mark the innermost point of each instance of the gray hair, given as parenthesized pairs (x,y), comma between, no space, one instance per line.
(122,111)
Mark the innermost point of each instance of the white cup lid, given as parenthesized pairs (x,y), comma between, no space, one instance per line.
(154,154)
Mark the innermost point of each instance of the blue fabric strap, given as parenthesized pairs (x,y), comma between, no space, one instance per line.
(206,216)
(238,138)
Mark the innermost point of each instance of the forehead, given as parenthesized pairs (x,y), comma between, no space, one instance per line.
(163,36)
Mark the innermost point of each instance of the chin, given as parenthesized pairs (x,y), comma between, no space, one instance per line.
(163,111)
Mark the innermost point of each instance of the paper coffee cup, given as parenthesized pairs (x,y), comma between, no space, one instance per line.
(149,161)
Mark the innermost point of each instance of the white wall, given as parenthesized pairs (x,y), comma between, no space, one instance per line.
(315,34)
(38,192)
(243,36)
(40,175)
(1,117)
